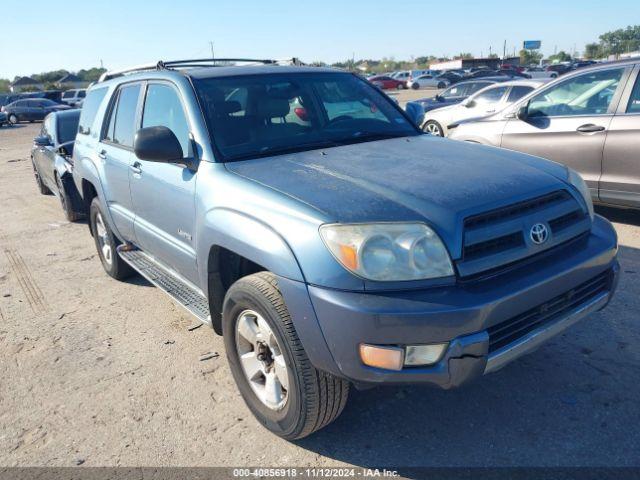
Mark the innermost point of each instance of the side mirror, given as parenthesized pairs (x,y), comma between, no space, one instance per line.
(523,112)
(157,144)
(468,102)
(42,141)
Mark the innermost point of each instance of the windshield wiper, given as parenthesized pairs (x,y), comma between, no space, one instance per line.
(281,150)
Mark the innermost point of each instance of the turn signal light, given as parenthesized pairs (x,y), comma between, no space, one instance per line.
(389,358)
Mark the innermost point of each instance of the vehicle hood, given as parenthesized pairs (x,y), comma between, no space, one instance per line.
(421,178)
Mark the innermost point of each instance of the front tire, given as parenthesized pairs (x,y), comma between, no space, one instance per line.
(433,128)
(415,86)
(42,188)
(13,119)
(441,85)
(277,381)
(106,244)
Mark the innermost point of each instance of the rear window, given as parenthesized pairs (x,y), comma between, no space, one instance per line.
(90,109)
(67,127)
(518,92)
(68,94)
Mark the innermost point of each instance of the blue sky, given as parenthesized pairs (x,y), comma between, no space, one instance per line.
(78,34)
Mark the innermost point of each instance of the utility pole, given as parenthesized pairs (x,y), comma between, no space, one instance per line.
(101,64)
(211,45)
(504,50)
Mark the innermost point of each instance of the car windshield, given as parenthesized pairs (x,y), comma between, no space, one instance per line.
(261,115)
(67,127)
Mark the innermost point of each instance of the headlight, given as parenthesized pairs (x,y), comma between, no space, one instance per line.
(577,181)
(388,251)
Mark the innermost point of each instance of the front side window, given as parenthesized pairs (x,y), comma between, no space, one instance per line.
(122,126)
(455,91)
(587,94)
(162,107)
(294,112)
(634,102)
(68,94)
(492,95)
(82,94)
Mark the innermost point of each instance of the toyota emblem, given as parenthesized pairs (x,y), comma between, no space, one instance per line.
(539,233)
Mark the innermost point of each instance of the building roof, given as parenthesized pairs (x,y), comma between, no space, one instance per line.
(70,78)
(24,81)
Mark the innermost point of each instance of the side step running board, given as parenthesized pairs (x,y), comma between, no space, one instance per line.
(180,291)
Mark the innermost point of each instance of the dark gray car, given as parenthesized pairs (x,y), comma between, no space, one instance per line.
(52,162)
(588,120)
(31,110)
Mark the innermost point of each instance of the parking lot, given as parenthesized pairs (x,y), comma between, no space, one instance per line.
(105,373)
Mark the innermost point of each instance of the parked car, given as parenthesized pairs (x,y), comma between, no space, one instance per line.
(485,73)
(559,68)
(31,110)
(509,67)
(451,96)
(353,250)
(428,81)
(51,158)
(588,120)
(74,97)
(409,76)
(539,72)
(489,100)
(450,76)
(385,83)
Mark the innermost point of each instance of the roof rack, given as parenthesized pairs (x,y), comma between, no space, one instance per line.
(200,62)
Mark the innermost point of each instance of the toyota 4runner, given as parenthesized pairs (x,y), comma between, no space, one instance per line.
(301,214)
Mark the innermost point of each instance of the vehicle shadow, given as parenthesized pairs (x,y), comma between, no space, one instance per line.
(571,403)
(618,215)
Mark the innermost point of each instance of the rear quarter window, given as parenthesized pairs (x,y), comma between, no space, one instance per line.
(90,109)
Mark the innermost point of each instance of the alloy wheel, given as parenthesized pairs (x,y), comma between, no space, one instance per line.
(262,360)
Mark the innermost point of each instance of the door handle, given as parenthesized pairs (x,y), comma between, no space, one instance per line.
(589,128)
(136,168)
(102,154)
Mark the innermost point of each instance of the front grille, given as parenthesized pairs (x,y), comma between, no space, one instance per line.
(501,237)
(511,330)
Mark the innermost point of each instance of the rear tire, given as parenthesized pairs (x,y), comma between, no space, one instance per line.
(415,86)
(106,244)
(441,85)
(433,128)
(307,399)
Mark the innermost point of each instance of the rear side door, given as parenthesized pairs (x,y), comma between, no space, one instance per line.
(116,154)
(567,121)
(620,182)
(164,193)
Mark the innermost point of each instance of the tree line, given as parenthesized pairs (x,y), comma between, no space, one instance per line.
(49,79)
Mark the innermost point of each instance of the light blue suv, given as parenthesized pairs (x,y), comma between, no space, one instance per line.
(299,212)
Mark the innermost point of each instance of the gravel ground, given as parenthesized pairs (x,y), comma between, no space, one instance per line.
(105,373)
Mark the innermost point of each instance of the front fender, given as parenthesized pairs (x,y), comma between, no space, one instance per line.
(249,237)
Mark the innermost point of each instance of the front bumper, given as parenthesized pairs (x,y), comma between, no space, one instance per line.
(462,315)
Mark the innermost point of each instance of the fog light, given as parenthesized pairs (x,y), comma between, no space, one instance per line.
(424,354)
(389,358)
